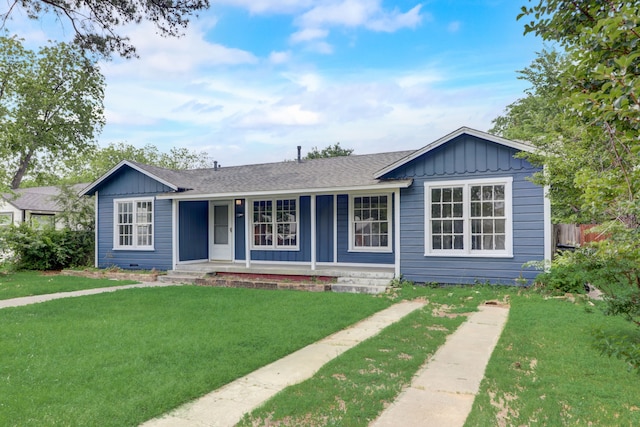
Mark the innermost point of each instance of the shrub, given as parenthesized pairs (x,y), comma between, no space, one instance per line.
(48,248)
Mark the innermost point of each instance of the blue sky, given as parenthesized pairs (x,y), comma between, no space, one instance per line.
(252,79)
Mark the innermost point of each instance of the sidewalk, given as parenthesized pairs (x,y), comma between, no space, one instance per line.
(442,393)
(18,302)
(227,405)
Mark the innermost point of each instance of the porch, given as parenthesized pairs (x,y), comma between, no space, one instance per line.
(337,278)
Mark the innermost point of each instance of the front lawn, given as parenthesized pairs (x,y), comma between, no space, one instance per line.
(354,388)
(121,358)
(28,283)
(545,371)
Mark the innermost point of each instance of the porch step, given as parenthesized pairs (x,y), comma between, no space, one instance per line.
(182,277)
(361,284)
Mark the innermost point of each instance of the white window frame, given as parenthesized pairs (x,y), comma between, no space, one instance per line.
(466,185)
(274,225)
(352,236)
(116,234)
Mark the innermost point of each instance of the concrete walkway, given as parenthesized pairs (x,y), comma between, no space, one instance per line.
(227,405)
(443,391)
(17,302)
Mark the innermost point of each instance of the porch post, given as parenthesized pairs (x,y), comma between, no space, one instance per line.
(313,232)
(547,227)
(335,228)
(95,232)
(247,235)
(396,221)
(175,236)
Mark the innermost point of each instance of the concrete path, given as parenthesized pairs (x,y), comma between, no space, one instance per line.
(17,302)
(443,391)
(227,405)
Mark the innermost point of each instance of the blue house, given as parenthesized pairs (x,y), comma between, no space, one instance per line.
(459,210)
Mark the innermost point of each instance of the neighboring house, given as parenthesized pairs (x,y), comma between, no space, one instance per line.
(459,210)
(35,205)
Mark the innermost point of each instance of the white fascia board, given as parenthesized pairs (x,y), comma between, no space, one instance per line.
(405,183)
(116,168)
(463,130)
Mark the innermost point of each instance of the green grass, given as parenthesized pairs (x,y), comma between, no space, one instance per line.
(545,371)
(121,358)
(354,388)
(28,283)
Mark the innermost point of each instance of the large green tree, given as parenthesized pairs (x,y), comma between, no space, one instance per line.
(598,91)
(97,24)
(334,150)
(102,159)
(598,142)
(50,109)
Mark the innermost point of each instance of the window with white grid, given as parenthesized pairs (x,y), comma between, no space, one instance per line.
(275,224)
(133,224)
(370,223)
(468,218)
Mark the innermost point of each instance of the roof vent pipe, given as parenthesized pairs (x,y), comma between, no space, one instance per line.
(215,165)
(299,155)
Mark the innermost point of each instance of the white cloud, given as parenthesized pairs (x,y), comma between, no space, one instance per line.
(290,115)
(391,22)
(308,34)
(349,13)
(279,57)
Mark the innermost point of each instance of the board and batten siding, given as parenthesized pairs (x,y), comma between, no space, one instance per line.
(193,219)
(129,183)
(463,158)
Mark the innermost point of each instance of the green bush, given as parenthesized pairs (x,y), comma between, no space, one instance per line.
(46,249)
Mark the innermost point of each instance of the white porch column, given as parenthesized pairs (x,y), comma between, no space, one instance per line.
(95,232)
(247,235)
(396,221)
(175,235)
(313,232)
(335,229)
(548,226)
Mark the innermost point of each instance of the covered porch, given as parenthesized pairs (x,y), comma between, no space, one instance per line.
(355,279)
(338,234)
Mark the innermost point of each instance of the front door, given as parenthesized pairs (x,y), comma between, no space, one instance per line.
(221,231)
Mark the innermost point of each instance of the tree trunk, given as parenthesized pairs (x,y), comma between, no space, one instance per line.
(22,169)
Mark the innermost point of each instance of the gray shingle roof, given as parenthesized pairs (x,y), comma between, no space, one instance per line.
(38,198)
(318,174)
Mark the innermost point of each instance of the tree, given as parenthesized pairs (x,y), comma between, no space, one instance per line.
(599,90)
(96,24)
(542,119)
(50,109)
(334,150)
(599,94)
(101,160)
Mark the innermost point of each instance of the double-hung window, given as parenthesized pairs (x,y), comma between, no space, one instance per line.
(275,224)
(370,223)
(469,218)
(133,223)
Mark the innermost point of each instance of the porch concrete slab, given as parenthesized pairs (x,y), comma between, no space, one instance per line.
(227,405)
(18,302)
(443,391)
